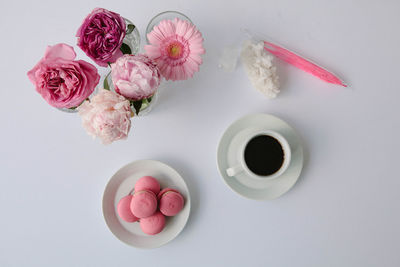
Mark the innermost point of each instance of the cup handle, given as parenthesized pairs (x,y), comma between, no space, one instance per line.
(234,170)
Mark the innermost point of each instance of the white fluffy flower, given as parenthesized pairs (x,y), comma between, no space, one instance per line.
(259,68)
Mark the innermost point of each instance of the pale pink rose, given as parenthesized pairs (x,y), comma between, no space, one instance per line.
(135,76)
(62,81)
(107,116)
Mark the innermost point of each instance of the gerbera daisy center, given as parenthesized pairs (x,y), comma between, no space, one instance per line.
(175,50)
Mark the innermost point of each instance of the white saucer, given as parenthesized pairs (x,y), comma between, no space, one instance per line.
(242,183)
(122,183)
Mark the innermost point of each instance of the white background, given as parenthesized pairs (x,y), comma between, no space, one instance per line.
(344,210)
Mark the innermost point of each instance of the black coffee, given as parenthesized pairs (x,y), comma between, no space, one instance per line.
(264,155)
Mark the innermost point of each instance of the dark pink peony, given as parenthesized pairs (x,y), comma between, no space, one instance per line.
(62,81)
(101,34)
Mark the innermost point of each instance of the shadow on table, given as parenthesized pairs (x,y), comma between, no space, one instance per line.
(190,178)
(306,151)
(304,142)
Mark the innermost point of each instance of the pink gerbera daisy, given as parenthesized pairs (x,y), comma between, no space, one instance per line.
(176,46)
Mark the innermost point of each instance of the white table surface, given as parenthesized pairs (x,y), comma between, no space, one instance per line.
(344,210)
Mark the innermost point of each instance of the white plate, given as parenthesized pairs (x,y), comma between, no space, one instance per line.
(122,183)
(242,183)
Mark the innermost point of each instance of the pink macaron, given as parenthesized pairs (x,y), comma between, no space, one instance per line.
(124,209)
(154,224)
(143,203)
(170,202)
(148,183)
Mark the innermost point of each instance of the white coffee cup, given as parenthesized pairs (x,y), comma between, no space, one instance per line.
(242,166)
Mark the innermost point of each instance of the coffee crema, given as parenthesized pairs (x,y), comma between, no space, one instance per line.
(264,155)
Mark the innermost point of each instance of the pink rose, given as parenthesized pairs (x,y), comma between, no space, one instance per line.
(107,116)
(101,34)
(135,76)
(62,81)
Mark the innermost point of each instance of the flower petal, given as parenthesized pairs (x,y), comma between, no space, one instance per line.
(152,51)
(60,51)
(181,27)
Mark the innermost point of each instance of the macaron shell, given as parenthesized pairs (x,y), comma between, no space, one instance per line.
(147,183)
(124,209)
(154,224)
(171,203)
(165,190)
(143,204)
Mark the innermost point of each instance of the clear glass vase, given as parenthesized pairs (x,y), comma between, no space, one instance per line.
(139,108)
(132,38)
(69,110)
(166,15)
(75,109)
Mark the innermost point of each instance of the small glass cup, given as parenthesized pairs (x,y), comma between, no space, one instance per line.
(75,109)
(132,37)
(166,15)
(147,104)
